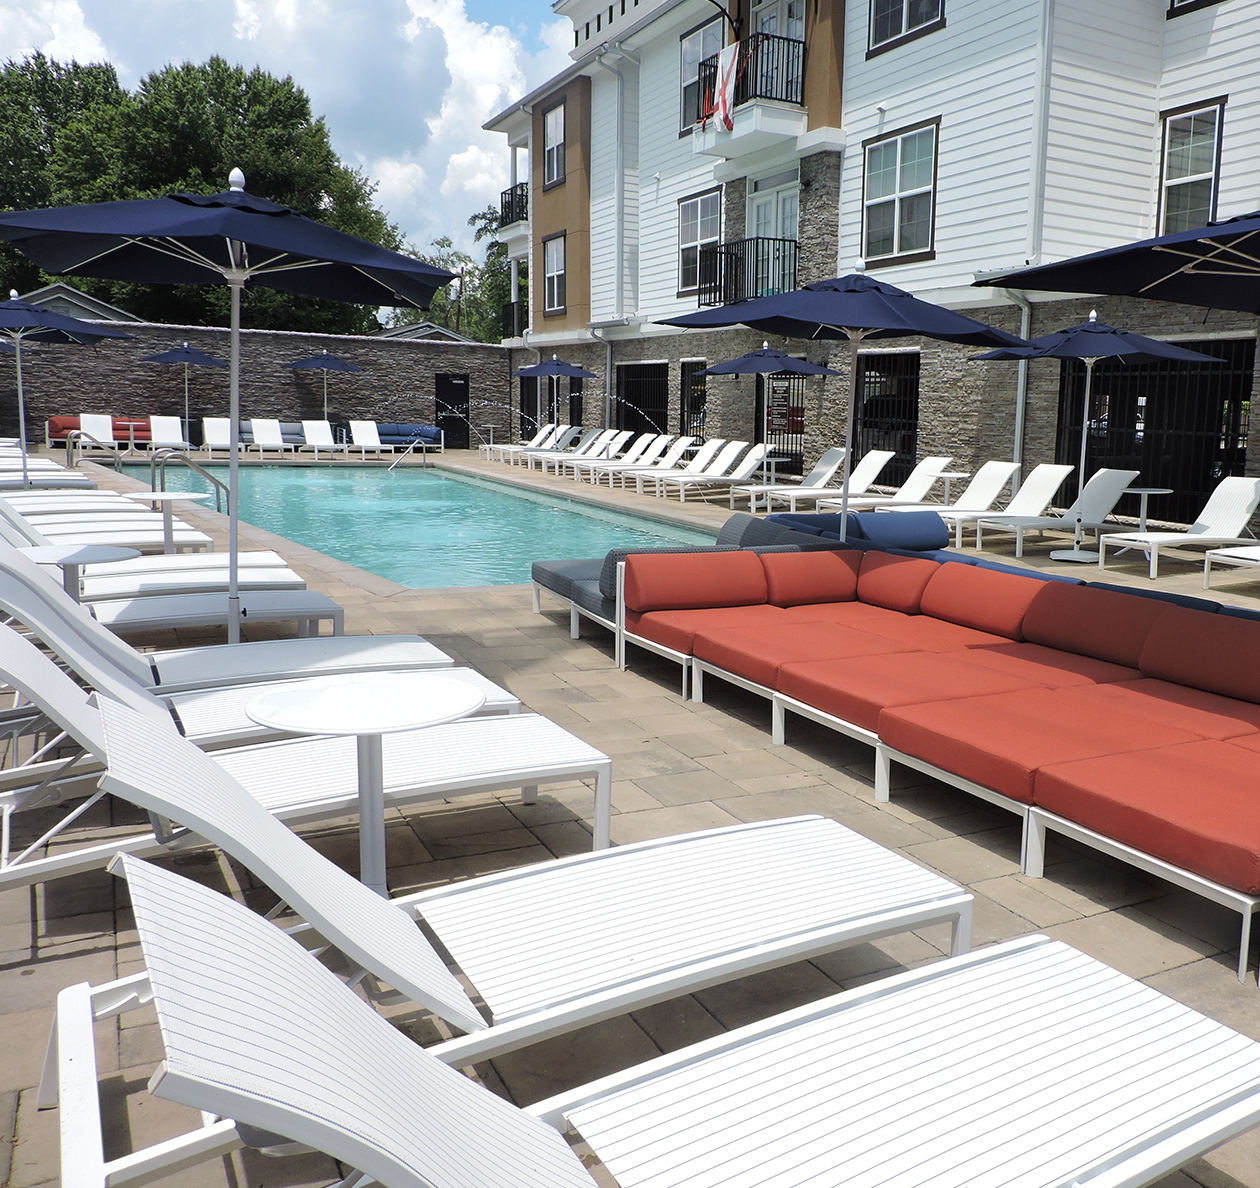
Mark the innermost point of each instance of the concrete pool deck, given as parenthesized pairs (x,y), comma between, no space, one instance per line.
(677,766)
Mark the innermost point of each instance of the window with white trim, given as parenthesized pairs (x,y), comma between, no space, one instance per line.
(699,223)
(696,46)
(891,19)
(899,194)
(1191,167)
(553,145)
(553,275)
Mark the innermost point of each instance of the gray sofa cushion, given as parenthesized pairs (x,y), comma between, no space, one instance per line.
(559,576)
(586,594)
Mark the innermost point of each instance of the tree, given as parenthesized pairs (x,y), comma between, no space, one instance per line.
(71,134)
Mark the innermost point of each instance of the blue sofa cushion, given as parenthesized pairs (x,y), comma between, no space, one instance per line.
(1024,571)
(559,576)
(586,594)
(918,531)
(395,433)
(1240,612)
(1189,601)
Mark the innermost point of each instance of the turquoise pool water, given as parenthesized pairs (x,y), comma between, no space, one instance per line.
(426,528)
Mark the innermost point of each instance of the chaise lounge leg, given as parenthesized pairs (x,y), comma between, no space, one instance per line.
(686,674)
(1244,945)
(575,623)
(883,775)
(960,933)
(778,722)
(697,683)
(1034,846)
(537,599)
(529,794)
(1154,561)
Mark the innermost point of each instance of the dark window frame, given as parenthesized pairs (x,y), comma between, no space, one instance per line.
(688,129)
(718,190)
(559,180)
(1172,113)
(1176,10)
(929,253)
(560,310)
(873,50)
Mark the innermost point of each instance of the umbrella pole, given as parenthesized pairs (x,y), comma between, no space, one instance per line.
(855,336)
(1080,480)
(186,420)
(234,407)
(325,393)
(17,355)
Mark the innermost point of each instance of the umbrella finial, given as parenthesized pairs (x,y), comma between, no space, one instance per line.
(859,265)
(555,357)
(236,180)
(765,346)
(185,346)
(1093,315)
(13,294)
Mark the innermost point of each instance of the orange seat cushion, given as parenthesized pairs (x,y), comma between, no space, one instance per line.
(691,581)
(60,427)
(1098,623)
(896,583)
(1208,715)
(857,690)
(980,598)
(1195,805)
(677,629)
(1001,741)
(930,635)
(795,578)
(757,652)
(1048,666)
(848,614)
(1218,653)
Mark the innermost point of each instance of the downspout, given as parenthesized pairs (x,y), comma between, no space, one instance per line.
(602,335)
(1040,135)
(1021,385)
(619,178)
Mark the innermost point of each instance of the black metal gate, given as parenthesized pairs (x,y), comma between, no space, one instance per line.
(530,421)
(451,397)
(780,419)
(642,404)
(887,415)
(575,400)
(1183,425)
(692,397)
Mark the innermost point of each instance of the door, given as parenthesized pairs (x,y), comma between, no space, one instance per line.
(779,66)
(887,415)
(575,400)
(530,420)
(642,402)
(780,420)
(451,403)
(773,216)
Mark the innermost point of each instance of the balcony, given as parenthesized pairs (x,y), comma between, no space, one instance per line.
(514,204)
(515,318)
(731,272)
(769,98)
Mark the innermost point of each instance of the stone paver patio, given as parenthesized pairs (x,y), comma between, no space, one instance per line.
(677,766)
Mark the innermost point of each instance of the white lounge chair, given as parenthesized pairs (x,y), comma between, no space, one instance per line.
(167,433)
(861,477)
(741,471)
(574,444)
(98,430)
(267,436)
(720,462)
(318,436)
(250,579)
(1223,521)
(1088,513)
(824,471)
(668,460)
(700,461)
(1032,499)
(499,451)
(1027,1063)
(1246,558)
(978,495)
(606,445)
(216,434)
(633,453)
(556,435)
(652,453)
(130,530)
(364,437)
(921,480)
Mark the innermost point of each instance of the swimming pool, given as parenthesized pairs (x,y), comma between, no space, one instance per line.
(426,528)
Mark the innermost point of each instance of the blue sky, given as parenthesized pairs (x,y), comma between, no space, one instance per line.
(404,84)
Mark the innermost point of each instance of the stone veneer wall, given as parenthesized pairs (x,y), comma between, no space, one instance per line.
(819,220)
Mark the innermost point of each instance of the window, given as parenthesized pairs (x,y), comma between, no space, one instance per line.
(895,20)
(1177,7)
(699,223)
(1192,142)
(553,275)
(899,194)
(553,145)
(696,46)
(691,398)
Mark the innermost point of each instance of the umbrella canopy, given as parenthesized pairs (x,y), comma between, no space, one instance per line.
(20,321)
(233,237)
(325,362)
(766,362)
(856,307)
(189,356)
(554,367)
(1217,266)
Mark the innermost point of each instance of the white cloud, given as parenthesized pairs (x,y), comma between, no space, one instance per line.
(57,27)
(247,22)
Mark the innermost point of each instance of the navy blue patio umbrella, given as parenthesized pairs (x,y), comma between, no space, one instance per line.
(767,361)
(325,362)
(856,307)
(551,369)
(189,356)
(20,322)
(234,238)
(1217,266)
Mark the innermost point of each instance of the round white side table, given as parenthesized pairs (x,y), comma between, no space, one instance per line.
(164,499)
(71,557)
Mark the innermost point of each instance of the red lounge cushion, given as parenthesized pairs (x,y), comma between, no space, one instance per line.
(59,427)
(1218,653)
(1206,714)
(927,634)
(856,690)
(999,742)
(896,583)
(131,428)
(757,652)
(795,578)
(1098,623)
(848,614)
(690,581)
(1195,805)
(676,629)
(980,598)
(1048,666)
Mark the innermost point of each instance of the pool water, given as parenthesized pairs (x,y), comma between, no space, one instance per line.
(426,528)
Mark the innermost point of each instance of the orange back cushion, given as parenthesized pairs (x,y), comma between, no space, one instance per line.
(693,581)
(896,583)
(801,579)
(980,598)
(1098,623)
(1218,653)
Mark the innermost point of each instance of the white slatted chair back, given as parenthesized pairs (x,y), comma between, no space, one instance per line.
(364,434)
(674,454)
(611,448)
(654,449)
(750,462)
(704,456)
(1037,490)
(539,438)
(20,531)
(637,448)
(318,433)
(825,468)
(255,1029)
(163,773)
(868,469)
(558,434)
(1228,509)
(166,432)
(216,432)
(267,432)
(725,459)
(985,486)
(1101,494)
(922,479)
(590,443)
(98,427)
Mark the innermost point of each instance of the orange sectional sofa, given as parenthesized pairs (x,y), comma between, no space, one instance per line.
(1128,723)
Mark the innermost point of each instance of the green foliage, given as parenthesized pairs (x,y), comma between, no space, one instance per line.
(71,134)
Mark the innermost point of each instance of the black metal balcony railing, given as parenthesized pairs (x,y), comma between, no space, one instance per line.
(768,67)
(514,204)
(746,268)
(515,318)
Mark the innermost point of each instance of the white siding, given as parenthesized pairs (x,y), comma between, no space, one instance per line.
(603,193)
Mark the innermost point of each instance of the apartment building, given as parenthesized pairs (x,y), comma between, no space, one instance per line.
(933,140)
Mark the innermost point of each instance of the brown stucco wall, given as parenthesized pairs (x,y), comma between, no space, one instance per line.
(824,63)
